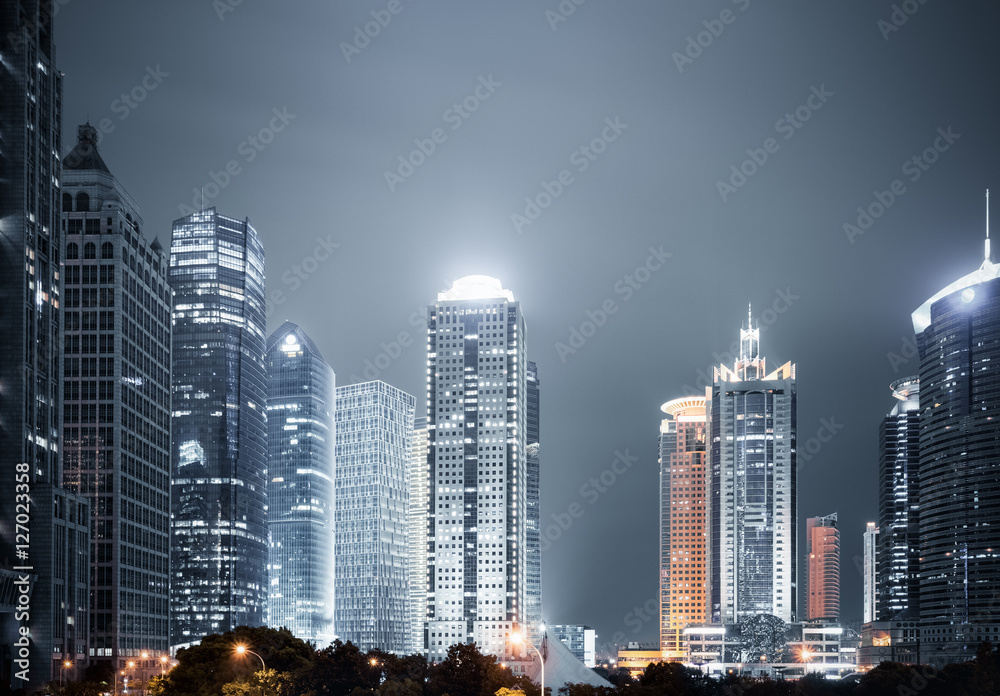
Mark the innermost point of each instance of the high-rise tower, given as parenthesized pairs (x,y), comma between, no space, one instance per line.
(823,568)
(958,339)
(418,536)
(682,521)
(477,423)
(752,506)
(219,450)
(533,558)
(898,502)
(116,444)
(44,529)
(300,471)
(869,571)
(374,423)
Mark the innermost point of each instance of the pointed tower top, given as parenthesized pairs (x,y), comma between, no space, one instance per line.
(987,225)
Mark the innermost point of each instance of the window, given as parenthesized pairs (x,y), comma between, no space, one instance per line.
(82,202)
(89,251)
(72,251)
(67,203)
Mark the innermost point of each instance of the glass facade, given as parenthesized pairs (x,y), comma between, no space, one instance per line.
(869,571)
(219,447)
(753,511)
(683,560)
(533,558)
(300,438)
(477,422)
(374,423)
(418,537)
(116,429)
(958,339)
(30,353)
(898,554)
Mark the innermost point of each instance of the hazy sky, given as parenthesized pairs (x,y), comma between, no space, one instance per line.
(384,149)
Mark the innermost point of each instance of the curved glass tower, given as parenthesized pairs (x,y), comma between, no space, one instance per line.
(958,337)
(300,442)
(218,563)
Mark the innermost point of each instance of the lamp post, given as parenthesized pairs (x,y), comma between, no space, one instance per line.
(242,649)
(521,639)
(65,664)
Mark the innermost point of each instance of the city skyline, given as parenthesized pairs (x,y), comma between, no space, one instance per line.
(835,303)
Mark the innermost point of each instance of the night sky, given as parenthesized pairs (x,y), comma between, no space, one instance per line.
(378,170)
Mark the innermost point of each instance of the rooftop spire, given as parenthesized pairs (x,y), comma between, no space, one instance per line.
(987,224)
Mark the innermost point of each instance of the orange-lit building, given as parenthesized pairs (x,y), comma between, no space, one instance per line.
(682,522)
(823,568)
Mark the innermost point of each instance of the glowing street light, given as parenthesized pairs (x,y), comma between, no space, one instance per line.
(242,650)
(65,664)
(522,639)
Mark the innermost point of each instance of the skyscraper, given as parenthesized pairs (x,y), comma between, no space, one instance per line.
(44,529)
(823,568)
(958,340)
(477,423)
(752,506)
(300,471)
(533,558)
(374,423)
(682,521)
(418,536)
(898,502)
(219,450)
(116,444)
(869,573)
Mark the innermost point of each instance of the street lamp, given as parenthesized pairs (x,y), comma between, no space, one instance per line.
(804,655)
(163,664)
(521,639)
(65,664)
(242,649)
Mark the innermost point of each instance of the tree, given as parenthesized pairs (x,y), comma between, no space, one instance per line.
(203,669)
(467,672)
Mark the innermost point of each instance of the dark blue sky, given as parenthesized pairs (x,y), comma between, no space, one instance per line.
(622,122)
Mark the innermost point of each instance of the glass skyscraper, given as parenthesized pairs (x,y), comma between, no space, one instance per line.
(477,422)
(219,450)
(300,471)
(869,571)
(116,444)
(898,541)
(533,558)
(374,423)
(418,536)
(44,529)
(958,339)
(752,507)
